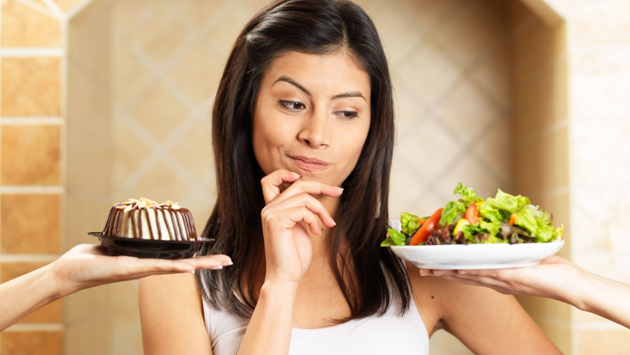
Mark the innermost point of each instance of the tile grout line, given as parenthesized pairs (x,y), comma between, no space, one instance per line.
(33,189)
(36,327)
(12,52)
(37,7)
(55,10)
(28,121)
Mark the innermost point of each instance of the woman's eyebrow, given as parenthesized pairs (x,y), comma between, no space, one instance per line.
(292,82)
(349,94)
(338,96)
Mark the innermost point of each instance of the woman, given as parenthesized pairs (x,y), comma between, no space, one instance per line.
(82,267)
(303,139)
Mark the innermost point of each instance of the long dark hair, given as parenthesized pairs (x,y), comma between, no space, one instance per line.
(363,268)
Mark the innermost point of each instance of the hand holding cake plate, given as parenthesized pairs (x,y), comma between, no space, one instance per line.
(145,229)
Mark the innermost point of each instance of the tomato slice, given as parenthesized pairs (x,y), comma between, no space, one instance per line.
(472,214)
(424,232)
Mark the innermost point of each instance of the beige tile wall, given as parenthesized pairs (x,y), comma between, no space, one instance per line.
(34,189)
(96,77)
(540,141)
(452,94)
(451,72)
(89,315)
(599,53)
(31,164)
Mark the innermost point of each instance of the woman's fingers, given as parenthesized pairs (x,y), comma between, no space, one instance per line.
(287,218)
(272,186)
(271,183)
(137,268)
(302,200)
(303,214)
(310,187)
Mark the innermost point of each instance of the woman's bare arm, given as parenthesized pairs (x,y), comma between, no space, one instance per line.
(288,254)
(172,316)
(269,330)
(483,319)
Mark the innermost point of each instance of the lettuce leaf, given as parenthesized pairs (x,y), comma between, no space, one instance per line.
(493,228)
(452,210)
(507,204)
(394,238)
(410,223)
(490,213)
(470,230)
(537,223)
(469,195)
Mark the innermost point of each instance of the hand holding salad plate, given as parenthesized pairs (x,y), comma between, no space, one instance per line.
(471,233)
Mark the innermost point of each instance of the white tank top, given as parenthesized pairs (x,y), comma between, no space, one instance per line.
(387,334)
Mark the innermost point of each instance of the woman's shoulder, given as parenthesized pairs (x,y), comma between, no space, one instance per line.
(469,311)
(171,308)
(428,295)
(442,290)
(177,290)
(438,300)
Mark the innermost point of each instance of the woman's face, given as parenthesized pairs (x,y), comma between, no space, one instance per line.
(312,116)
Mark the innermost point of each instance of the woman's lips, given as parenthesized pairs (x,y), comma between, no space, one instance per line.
(308,164)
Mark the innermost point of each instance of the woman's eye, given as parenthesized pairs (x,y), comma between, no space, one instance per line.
(293,105)
(348,114)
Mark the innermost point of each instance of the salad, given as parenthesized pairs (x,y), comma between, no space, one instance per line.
(471,219)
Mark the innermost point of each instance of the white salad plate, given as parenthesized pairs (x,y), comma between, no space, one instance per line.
(476,256)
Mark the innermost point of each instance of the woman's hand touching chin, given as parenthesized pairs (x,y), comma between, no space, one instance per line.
(287,218)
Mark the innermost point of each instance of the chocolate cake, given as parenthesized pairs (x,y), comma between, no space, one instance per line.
(145,219)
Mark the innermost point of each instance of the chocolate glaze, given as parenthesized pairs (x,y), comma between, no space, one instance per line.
(177,230)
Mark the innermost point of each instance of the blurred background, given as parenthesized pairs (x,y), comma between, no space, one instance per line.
(105,100)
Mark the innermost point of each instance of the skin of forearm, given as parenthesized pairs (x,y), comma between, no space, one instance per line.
(269,330)
(606,298)
(27,293)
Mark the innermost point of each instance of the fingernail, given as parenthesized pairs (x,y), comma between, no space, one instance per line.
(219,267)
(190,272)
(228,263)
(339,188)
(296,174)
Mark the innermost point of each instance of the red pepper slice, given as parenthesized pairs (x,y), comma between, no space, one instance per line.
(423,233)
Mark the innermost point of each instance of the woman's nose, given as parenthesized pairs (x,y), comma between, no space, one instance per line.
(314,132)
